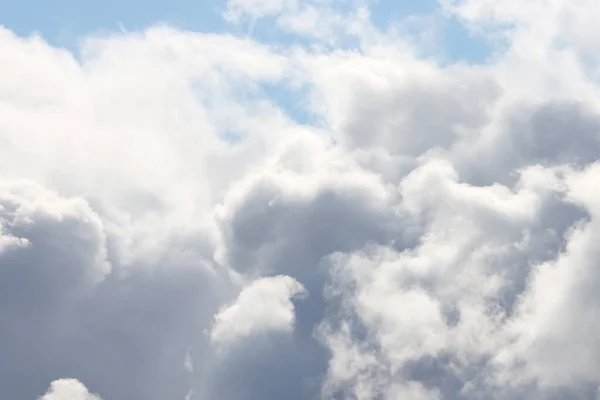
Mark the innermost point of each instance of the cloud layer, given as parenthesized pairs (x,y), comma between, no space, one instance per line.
(205,216)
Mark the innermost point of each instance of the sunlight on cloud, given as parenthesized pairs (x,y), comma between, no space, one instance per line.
(168,229)
(264,305)
(68,389)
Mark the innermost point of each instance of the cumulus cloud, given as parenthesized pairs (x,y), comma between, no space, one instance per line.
(263,306)
(68,389)
(171,228)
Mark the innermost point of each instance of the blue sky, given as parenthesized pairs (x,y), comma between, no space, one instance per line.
(62,22)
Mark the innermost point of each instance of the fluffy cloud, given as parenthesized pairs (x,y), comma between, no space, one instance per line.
(263,306)
(161,209)
(68,389)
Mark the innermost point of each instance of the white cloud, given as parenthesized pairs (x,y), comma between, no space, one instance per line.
(262,306)
(439,221)
(556,310)
(68,389)
(41,227)
(474,289)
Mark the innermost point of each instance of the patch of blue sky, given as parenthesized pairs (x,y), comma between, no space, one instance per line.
(460,44)
(455,41)
(293,102)
(63,22)
(268,31)
(385,12)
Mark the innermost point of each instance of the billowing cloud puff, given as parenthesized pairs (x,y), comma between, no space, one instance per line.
(68,389)
(263,306)
(205,216)
(77,246)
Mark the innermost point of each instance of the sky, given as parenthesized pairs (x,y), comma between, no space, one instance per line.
(63,23)
(305,200)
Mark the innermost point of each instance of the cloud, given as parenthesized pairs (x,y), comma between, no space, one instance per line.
(256,353)
(433,316)
(417,105)
(264,305)
(162,211)
(53,250)
(68,389)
